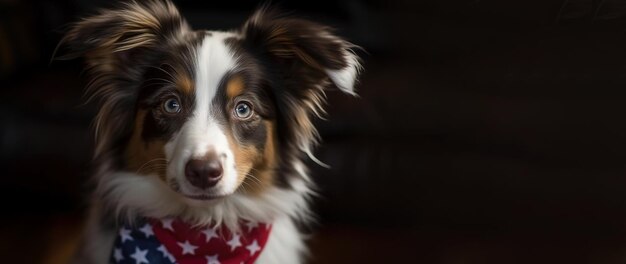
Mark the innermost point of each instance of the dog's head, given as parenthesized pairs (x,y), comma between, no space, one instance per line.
(208,112)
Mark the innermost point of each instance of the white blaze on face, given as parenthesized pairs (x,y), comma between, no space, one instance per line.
(202,132)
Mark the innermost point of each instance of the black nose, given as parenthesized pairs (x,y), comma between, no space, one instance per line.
(204,173)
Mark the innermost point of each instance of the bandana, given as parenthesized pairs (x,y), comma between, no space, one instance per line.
(170,241)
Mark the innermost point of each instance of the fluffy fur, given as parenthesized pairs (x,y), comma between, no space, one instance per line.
(142,56)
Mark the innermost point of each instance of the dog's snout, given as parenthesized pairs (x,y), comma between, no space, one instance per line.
(204,172)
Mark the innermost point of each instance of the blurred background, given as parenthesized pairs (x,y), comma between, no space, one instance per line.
(486,131)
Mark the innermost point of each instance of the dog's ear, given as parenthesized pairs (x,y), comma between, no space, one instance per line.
(114,38)
(305,58)
(300,46)
(118,45)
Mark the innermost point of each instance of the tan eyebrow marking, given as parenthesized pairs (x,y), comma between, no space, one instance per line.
(184,84)
(234,87)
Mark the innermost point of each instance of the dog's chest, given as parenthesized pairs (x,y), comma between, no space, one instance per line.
(171,241)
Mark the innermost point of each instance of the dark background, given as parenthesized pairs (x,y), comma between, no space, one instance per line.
(485,131)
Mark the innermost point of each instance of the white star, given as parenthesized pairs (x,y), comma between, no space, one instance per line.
(251,225)
(125,234)
(188,248)
(234,243)
(118,255)
(140,256)
(147,230)
(253,247)
(209,232)
(166,253)
(212,259)
(167,223)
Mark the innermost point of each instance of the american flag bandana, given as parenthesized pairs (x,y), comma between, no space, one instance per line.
(171,241)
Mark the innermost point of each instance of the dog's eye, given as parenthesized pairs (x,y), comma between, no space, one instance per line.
(243,110)
(171,106)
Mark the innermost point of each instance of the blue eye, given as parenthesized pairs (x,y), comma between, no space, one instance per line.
(171,106)
(243,110)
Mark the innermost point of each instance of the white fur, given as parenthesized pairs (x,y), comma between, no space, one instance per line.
(284,245)
(133,195)
(345,78)
(202,133)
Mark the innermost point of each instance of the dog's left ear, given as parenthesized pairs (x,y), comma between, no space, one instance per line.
(302,47)
(304,58)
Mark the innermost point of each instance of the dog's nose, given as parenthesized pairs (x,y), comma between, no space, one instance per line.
(204,172)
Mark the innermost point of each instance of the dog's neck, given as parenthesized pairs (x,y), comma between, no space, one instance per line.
(130,196)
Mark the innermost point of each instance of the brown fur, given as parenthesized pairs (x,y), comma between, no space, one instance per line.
(270,157)
(255,167)
(145,157)
(184,83)
(234,87)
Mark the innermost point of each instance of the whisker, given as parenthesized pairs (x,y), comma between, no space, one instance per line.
(148,162)
(254,179)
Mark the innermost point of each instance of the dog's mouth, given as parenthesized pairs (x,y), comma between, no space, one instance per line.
(203,197)
(194,196)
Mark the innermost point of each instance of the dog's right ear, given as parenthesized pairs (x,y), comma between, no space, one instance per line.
(117,45)
(113,38)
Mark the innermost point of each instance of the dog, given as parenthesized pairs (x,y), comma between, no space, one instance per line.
(204,129)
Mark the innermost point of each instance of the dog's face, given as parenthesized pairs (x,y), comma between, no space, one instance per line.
(209,113)
(203,123)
